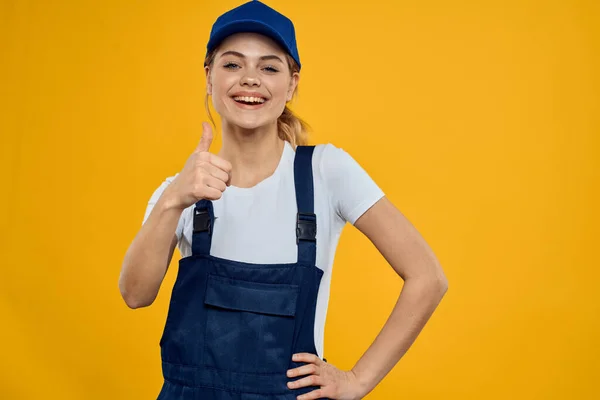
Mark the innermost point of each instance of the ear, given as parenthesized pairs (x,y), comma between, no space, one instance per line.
(293,83)
(208,81)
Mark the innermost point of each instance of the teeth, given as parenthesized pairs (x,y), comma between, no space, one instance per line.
(250,99)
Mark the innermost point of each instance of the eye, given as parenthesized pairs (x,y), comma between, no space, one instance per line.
(271,69)
(229,65)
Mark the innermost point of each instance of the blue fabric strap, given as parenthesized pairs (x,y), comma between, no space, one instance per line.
(204,220)
(306,220)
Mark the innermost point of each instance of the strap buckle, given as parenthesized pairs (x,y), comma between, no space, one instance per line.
(202,221)
(306,227)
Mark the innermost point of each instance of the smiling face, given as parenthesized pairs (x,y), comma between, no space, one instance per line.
(250,80)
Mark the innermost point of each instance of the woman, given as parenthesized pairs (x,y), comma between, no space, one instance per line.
(257,225)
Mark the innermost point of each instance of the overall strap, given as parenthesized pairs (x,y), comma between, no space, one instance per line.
(204,220)
(306,220)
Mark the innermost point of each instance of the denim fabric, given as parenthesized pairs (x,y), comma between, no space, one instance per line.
(232,326)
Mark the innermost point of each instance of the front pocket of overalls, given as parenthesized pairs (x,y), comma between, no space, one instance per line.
(249,325)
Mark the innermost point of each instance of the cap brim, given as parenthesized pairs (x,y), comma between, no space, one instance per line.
(246,26)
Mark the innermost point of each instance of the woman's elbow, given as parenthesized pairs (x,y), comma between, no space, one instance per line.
(441,281)
(132,297)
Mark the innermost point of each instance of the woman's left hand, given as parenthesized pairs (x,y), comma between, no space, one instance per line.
(335,383)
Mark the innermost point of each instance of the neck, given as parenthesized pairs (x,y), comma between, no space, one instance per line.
(253,153)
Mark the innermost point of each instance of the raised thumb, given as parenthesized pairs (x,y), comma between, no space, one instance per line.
(206,139)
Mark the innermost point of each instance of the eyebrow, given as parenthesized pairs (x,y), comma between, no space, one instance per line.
(240,55)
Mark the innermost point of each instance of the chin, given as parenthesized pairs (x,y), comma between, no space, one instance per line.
(251,123)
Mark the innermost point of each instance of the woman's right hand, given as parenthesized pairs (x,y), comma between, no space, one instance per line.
(204,175)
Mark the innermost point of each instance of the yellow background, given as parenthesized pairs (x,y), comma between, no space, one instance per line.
(479,119)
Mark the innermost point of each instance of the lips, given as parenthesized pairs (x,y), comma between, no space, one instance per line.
(249,100)
(249,106)
(248,94)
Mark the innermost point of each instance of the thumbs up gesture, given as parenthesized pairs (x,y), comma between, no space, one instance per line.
(204,175)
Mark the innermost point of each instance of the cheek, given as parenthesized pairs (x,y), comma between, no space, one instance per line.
(280,103)
(279,91)
(219,96)
(221,83)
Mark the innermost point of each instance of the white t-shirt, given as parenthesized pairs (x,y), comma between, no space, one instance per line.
(258,224)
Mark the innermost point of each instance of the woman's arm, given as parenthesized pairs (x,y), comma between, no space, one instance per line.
(424,286)
(148,257)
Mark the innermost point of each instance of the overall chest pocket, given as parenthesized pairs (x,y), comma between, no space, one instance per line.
(249,325)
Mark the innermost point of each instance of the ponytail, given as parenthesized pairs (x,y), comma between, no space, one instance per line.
(292,128)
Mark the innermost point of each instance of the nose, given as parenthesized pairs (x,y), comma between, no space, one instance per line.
(250,79)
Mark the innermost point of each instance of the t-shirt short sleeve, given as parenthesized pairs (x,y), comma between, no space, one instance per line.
(154,198)
(351,189)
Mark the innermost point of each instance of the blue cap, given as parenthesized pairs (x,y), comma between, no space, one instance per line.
(257,17)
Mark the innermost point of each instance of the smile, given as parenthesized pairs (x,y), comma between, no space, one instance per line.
(250,103)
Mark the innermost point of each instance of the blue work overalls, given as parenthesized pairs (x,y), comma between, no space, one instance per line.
(232,326)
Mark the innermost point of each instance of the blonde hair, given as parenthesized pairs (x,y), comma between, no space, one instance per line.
(290,127)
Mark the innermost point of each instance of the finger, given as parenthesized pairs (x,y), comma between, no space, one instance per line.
(212,193)
(216,172)
(206,139)
(220,162)
(303,370)
(215,183)
(312,380)
(306,357)
(315,394)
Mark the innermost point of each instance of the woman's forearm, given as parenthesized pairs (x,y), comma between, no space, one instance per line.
(418,299)
(149,255)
